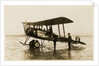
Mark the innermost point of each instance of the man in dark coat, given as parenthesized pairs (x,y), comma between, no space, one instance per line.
(69,41)
(54,40)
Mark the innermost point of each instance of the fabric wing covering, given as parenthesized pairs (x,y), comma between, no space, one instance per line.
(54,21)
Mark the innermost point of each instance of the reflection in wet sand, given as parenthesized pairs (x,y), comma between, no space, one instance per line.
(69,55)
(39,54)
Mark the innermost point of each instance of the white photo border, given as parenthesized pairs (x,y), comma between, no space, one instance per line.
(96,46)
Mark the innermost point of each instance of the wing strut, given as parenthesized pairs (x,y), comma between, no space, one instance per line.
(42,42)
(24,29)
(58,30)
(47,27)
(63,30)
(27,38)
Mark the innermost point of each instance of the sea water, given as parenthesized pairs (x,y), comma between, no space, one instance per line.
(15,51)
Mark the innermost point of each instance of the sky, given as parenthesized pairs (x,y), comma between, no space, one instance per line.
(81,15)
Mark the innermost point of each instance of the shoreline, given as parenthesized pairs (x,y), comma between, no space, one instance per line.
(66,35)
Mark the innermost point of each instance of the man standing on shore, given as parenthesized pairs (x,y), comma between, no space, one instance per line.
(69,41)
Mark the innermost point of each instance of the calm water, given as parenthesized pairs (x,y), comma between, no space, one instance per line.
(15,51)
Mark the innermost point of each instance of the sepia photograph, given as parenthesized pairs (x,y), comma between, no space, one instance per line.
(48,32)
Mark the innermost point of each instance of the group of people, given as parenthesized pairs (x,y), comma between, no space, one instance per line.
(33,31)
(30,31)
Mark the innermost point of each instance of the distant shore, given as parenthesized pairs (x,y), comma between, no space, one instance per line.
(66,35)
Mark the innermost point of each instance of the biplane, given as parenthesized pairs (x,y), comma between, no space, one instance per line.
(44,30)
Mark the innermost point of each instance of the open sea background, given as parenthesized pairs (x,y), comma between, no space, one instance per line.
(14,51)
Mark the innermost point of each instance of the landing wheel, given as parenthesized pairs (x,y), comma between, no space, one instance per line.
(37,44)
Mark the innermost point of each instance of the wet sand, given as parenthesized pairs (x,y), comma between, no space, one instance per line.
(14,51)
